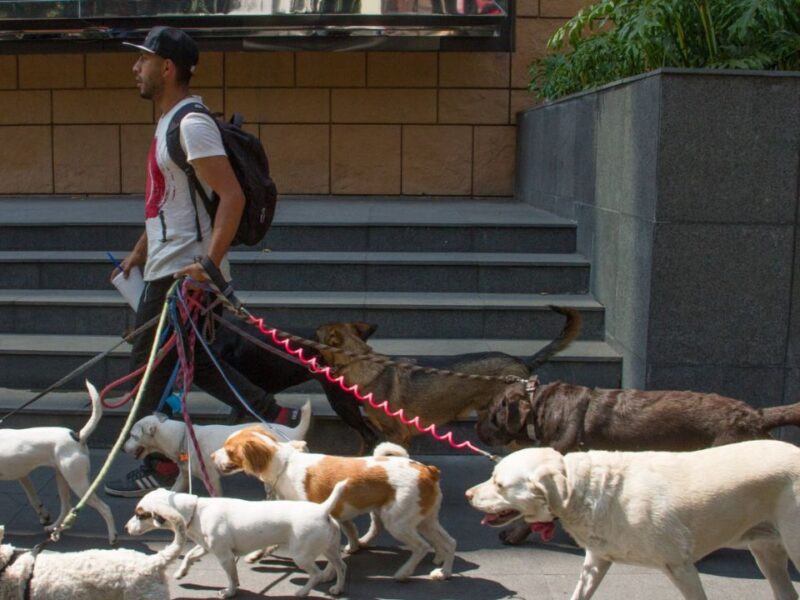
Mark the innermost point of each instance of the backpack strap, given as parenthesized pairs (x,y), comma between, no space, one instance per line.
(178,156)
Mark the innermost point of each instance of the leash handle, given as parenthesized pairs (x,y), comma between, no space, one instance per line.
(216,277)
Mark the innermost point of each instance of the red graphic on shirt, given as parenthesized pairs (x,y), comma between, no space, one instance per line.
(154,191)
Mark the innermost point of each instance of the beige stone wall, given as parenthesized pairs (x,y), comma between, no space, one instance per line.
(332,123)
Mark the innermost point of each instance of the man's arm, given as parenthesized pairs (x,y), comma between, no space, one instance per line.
(136,258)
(217,172)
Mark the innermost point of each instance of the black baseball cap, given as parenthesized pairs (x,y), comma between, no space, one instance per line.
(169,42)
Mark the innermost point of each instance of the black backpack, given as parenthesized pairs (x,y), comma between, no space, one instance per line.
(250,164)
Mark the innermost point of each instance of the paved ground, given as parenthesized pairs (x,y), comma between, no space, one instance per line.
(484,568)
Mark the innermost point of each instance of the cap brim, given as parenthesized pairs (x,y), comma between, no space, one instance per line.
(138,47)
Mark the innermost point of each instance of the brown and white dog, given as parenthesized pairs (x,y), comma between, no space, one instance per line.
(401,493)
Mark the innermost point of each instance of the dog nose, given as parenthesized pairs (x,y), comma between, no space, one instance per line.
(468,494)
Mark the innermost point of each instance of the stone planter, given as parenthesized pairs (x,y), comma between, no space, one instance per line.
(684,185)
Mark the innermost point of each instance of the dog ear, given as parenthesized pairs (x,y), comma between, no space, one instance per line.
(517,412)
(548,483)
(255,455)
(160,416)
(364,330)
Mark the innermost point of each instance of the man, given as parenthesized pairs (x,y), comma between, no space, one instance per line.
(177,231)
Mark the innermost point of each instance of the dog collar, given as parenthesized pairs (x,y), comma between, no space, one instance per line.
(530,386)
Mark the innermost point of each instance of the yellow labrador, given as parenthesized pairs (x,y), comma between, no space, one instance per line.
(658,509)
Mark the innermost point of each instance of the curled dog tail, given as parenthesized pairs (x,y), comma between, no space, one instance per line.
(390,449)
(173,551)
(333,498)
(305,421)
(572,327)
(97,413)
(779,416)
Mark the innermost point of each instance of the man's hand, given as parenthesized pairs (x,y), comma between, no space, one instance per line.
(137,258)
(195,271)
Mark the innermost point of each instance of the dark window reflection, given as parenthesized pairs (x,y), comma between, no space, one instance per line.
(150,8)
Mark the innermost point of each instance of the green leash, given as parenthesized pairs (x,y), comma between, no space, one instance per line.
(73,515)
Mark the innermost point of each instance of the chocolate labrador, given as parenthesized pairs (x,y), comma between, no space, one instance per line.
(435,397)
(571,418)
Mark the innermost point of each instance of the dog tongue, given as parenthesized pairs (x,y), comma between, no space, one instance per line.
(545,530)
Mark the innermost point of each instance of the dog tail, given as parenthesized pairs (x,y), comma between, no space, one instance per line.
(97,413)
(780,416)
(173,551)
(305,421)
(334,497)
(572,327)
(390,449)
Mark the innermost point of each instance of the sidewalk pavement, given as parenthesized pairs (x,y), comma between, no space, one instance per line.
(484,568)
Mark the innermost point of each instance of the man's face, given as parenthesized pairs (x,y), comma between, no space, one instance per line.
(148,70)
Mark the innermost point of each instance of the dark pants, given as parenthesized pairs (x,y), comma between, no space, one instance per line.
(206,375)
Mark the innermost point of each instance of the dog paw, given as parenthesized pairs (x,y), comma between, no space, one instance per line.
(180,573)
(254,556)
(439,575)
(336,589)
(44,519)
(514,536)
(401,575)
(351,549)
(113,541)
(226,593)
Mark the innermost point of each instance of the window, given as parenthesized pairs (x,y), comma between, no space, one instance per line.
(285,24)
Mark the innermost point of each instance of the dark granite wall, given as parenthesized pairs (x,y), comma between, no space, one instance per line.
(685,186)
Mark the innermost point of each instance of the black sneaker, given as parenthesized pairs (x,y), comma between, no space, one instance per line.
(138,482)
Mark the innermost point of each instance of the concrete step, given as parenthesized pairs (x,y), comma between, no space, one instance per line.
(36,361)
(307,223)
(486,272)
(398,314)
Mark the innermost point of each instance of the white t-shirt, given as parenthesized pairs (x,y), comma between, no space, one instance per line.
(169,212)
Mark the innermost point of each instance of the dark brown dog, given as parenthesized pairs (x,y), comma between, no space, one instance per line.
(435,398)
(570,417)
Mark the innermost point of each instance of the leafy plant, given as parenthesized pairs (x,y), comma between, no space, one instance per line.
(611,39)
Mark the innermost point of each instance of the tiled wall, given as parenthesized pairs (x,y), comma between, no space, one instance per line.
(332,123)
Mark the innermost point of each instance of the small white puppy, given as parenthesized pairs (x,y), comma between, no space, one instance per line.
(23,450)
(658,509)
(153,434)
(89,575)
(229,527)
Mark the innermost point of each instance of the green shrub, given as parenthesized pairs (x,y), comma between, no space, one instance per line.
(611,39)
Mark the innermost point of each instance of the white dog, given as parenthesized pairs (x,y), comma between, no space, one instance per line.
(401,493)
(229,527)
(153,434)
(658,509)
(89,575)
(23,450)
